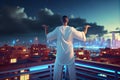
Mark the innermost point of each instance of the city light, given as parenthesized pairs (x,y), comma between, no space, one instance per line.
(84,58)
(16,78)
(81,53)
(104,52)
(3,49)
(38,68)
(30,41)
(36,54)
(26,55)
(13,42)
(103,75)
(22,71)
(24,50)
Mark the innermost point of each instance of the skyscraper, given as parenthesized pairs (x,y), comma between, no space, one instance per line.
(113,40)
(36,41)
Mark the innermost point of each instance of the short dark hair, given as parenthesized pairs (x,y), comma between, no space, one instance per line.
(63,18)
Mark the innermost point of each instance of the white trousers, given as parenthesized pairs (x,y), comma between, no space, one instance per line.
(58,70)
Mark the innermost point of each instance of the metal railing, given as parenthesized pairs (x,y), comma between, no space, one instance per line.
(85,70)
(89,70)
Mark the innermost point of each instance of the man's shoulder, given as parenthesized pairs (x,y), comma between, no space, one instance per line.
(58,27)
(71,27)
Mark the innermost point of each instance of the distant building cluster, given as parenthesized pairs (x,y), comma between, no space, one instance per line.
(20,54)
(115,43)
(109,51)
(99,42)
(32,50)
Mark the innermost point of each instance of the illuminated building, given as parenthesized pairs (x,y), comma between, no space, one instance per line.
(39,50)
(36,41)
(82,54)
(14,54)
(21,52)
(5,55)
(109,51)
(108,43)
(113,40)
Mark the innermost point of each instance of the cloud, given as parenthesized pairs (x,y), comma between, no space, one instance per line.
(97,29)
(14,12)
(72,16)
(48,17)
(46,11)
(14,20)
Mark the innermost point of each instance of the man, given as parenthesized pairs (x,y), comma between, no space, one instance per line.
(65,53)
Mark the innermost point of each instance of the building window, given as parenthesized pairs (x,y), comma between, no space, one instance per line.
(24,50)
(13,60)
(3,49)
(36,54)
(81,53)
(24,77)
(15,78)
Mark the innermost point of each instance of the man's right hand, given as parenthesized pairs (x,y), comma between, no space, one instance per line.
(86,28)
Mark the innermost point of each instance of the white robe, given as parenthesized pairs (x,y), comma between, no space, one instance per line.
(65,36)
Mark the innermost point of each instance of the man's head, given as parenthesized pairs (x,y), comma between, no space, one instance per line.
(65,19)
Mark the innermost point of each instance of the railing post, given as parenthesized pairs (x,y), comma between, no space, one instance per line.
(65,71)
(116,75)
(51,71)
(66,75)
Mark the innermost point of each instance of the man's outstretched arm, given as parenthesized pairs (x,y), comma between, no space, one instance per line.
(80,35)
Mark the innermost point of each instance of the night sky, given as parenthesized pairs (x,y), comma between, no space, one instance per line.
(102,12)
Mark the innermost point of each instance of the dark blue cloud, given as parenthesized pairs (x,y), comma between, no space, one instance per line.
(14,20)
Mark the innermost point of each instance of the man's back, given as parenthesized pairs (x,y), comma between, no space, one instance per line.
(64,36)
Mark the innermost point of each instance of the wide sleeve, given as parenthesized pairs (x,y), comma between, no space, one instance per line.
(52,35)
(80,35)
